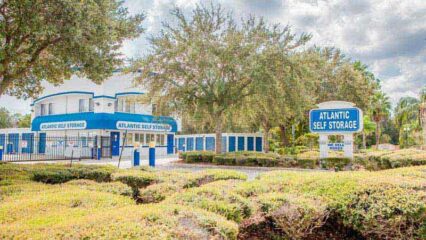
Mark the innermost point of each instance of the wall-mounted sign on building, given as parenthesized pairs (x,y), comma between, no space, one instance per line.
(336,118)
(155,127)
(71,125)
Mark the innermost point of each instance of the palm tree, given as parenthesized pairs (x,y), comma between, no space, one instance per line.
(407,117)
(379,111)
(369,127)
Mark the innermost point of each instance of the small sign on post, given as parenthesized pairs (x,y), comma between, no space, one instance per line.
(336,118)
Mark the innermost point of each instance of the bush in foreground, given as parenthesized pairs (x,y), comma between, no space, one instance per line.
(61,173)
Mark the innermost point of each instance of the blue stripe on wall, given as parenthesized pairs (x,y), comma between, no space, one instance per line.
(102,120)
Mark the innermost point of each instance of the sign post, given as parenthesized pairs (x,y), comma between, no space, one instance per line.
(336,118)
(152,154)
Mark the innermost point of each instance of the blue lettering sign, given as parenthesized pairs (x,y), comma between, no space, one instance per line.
(345,120)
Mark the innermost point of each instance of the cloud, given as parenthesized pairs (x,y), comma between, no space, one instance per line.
(389,36)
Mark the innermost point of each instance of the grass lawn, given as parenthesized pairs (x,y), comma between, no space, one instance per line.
(96,202)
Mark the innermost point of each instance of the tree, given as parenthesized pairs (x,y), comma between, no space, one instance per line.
(24,121)
(204,64)
(380,109)
(369,127)
(423,113)
(407,119)
(5,118)
(51,40)
(281,96)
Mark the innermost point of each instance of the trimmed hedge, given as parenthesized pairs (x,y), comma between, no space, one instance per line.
(255,159)
(335,163)
(62,174)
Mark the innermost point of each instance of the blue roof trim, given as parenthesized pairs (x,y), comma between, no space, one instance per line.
(104,96)
(102,120)
(128,93)
(62,93)
(83,92)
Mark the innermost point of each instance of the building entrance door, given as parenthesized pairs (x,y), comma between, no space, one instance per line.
(115,143)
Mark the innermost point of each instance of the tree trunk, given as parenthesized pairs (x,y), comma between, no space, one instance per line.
(377,134)
(266,139)
(283,135)
(218,132)
(364,140)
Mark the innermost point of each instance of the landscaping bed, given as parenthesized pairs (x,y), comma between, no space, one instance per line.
(214,204)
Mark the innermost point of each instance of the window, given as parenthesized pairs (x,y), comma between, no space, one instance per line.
(139,138)
(150,138)
(129,139)
(50,108)
(160,139)
(91,105)
(43,110)
(125,105)
(82,105)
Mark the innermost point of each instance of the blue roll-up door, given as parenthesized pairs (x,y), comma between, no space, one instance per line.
(250,143)
(224,141)
(170,143)
(231,146)
(259,144)
(3,141)
(27,142)
(199,146)
(13,143)
(181,144)
(241,143)
(42,143)
(210,144)
(190,144)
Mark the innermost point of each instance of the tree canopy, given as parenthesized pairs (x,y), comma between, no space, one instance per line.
(51,40)
(206,64)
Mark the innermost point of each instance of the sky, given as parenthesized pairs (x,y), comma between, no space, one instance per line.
(387,35)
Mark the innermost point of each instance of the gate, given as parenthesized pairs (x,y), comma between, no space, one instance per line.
(29,147)
(106,147)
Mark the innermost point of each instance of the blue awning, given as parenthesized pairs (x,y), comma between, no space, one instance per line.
(107,121)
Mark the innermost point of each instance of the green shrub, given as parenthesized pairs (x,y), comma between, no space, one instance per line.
(198,156)
(109,187)
(212,198)
(385,212)
(62,174)
(136,178)
(335,163)
(308,163)
(225,159)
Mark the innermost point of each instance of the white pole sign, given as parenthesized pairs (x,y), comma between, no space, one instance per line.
(336,118)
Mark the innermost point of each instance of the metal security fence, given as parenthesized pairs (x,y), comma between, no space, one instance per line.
(29,147)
